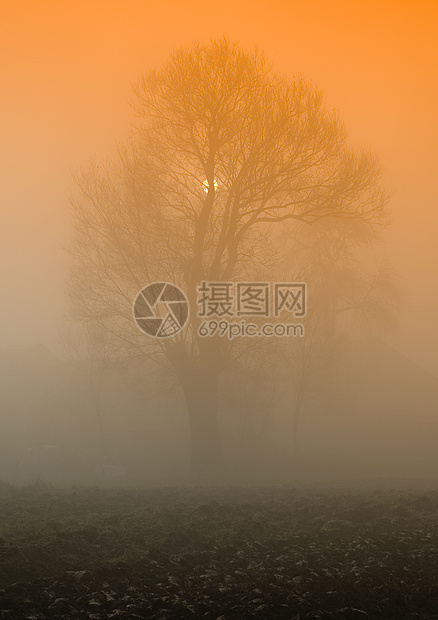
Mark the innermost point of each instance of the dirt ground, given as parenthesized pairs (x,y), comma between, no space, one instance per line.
(217,553)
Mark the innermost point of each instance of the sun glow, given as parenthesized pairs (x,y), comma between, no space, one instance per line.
(205,185)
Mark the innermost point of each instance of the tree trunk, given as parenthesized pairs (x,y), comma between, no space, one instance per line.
(201,397)
(199,379)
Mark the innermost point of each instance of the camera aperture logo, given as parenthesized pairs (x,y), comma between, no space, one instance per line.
(161,310)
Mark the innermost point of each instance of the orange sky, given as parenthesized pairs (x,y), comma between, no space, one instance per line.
(66,69)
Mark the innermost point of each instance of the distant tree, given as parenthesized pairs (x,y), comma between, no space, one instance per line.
(223,151)
(347,296)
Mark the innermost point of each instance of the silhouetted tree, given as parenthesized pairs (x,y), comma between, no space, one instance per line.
(223,150)
(347,295)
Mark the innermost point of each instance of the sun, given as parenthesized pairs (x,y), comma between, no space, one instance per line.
(205,185)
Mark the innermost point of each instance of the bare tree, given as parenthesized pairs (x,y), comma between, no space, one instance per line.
(347,296)
(223,150)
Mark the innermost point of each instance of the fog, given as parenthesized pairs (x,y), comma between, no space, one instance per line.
(371,414)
